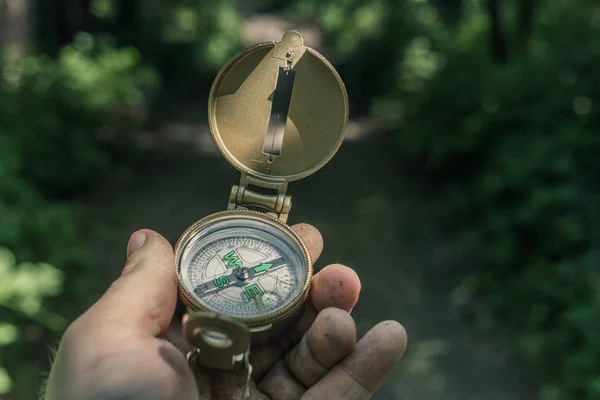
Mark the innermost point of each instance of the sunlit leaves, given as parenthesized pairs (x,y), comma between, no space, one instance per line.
(186,19)
(49,125)
(84,42)
(109,79)
(8,333)
(332,16)
(91,88)
(103,8)
(209,27)
(471,32)
(419,65)
(367,18)
(5,381)
(218,49)
(24,286)
(514,149)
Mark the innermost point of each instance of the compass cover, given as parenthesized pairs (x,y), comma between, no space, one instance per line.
(278,110)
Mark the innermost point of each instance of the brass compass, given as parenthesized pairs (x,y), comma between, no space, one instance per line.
(278,112)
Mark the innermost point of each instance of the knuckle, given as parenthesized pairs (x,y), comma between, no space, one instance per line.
(311,237)
(336,321)
(157,251)
(157,240)
(130,264)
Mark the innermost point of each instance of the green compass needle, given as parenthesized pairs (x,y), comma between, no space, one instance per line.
(263,267)
(239,276)
(256,303)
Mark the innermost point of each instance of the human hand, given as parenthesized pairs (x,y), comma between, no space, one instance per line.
(124,348)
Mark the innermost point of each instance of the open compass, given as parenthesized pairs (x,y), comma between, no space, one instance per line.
(278,113)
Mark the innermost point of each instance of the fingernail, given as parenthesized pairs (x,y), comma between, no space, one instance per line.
(136,242)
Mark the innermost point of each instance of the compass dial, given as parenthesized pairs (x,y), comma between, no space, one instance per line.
(243,268)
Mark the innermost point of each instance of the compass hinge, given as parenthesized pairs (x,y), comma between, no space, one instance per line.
(279,204)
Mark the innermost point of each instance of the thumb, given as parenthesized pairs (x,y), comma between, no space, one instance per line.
(145,294)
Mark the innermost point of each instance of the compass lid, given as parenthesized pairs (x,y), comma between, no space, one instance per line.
(278,110)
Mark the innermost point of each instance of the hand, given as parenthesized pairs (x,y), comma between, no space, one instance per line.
(129,346)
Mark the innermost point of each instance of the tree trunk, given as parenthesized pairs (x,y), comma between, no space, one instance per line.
(14,30)
(2,24)
(72,16)
(15,23)
(497,38)
(525,25)
(127,22)
(452,9)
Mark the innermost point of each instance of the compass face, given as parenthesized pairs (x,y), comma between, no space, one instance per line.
(243,268)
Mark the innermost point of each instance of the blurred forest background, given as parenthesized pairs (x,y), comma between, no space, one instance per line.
(470,174)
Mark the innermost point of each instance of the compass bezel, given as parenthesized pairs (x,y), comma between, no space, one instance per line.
(252,322)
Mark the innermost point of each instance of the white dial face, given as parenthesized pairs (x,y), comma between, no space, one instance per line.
(243,268)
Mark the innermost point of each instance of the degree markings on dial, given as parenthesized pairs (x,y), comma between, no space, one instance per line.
(235,301)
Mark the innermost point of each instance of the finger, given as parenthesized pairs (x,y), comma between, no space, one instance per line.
(279,383)
(330,338)
(145,294)
(174,334)
(312,239)
(264,356)
(363,371)
(335,286)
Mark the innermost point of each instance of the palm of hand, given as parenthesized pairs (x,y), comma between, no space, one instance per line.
(106,356)
(322,361)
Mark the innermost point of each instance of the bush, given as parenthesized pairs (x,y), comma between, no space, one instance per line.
(23,288)
(363,38)
(55,116)
(52,113)
(514,150)
(187,41)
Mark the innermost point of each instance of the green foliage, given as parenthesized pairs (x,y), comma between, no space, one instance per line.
(514,150)
(212,28)
(187,41)
(23,288)
(25,285)
(364,39)
(57,117)
(90,85)
(511,148)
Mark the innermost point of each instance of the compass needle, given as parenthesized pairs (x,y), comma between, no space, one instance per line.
(257,306)
(288,283)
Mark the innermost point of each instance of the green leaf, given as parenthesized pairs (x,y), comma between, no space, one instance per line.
(8,334)
(5,381)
